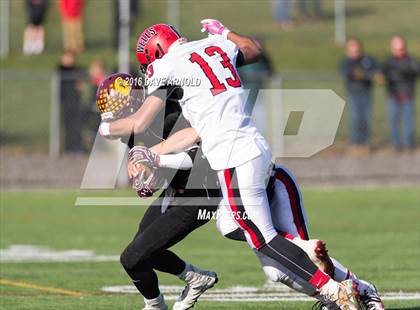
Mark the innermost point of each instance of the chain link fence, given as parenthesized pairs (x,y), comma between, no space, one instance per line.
(30,107)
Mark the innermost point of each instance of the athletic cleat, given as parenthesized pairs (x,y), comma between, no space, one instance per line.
(344,295)
(324,304)
(318,253)
(155,304)
(369,296)
(198,281)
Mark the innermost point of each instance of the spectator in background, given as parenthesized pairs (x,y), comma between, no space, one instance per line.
(282,13)
(359,71)
(70,86)
(96,74)
(255,76)
(401,71)
(72,24)
(310,9)
(91,120)
(34,35)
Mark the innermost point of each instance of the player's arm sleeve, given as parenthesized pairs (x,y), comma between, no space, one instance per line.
(180,161)
(183,160)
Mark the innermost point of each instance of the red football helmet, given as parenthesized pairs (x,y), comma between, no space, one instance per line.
(154,42)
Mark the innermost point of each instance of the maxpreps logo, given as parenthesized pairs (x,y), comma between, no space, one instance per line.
(146,36)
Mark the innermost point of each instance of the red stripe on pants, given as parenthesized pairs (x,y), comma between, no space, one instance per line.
(234,208)
(293,205)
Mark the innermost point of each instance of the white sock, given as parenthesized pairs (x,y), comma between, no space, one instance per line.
(329,288)
(342,273)
(155,301)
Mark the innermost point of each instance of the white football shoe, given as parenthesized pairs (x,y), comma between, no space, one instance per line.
(369,296)
(198,281)
(317,252)
(324,304)
(157,303)
(343,294)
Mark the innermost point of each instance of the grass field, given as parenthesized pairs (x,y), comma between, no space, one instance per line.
(375,232)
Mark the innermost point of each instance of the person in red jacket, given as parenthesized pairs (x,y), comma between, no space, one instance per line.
(71,12)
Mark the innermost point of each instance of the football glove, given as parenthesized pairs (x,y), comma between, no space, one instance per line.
(213,26)
(148,180)
(142,155)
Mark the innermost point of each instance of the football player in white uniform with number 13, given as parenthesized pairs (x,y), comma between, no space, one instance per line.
(213,101)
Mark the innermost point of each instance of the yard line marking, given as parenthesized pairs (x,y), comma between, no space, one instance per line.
(44,288)
(21,253)
(250,294)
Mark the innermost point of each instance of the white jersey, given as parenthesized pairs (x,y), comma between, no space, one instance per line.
(213,99)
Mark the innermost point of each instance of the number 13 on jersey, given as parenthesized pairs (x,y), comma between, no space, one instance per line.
(217,85)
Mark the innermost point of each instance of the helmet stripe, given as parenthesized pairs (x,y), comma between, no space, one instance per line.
(174,30)
(161,51)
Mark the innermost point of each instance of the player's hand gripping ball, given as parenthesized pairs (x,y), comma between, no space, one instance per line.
(213,26)
(142,155)
(145,177)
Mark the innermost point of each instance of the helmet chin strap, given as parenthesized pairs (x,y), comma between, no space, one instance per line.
(177,43)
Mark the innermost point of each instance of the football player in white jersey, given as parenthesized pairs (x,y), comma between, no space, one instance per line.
(290,220)
(215,107)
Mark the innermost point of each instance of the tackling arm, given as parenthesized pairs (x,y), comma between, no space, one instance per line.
(136,123)
(178,142)
(175,145)
(250,49)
